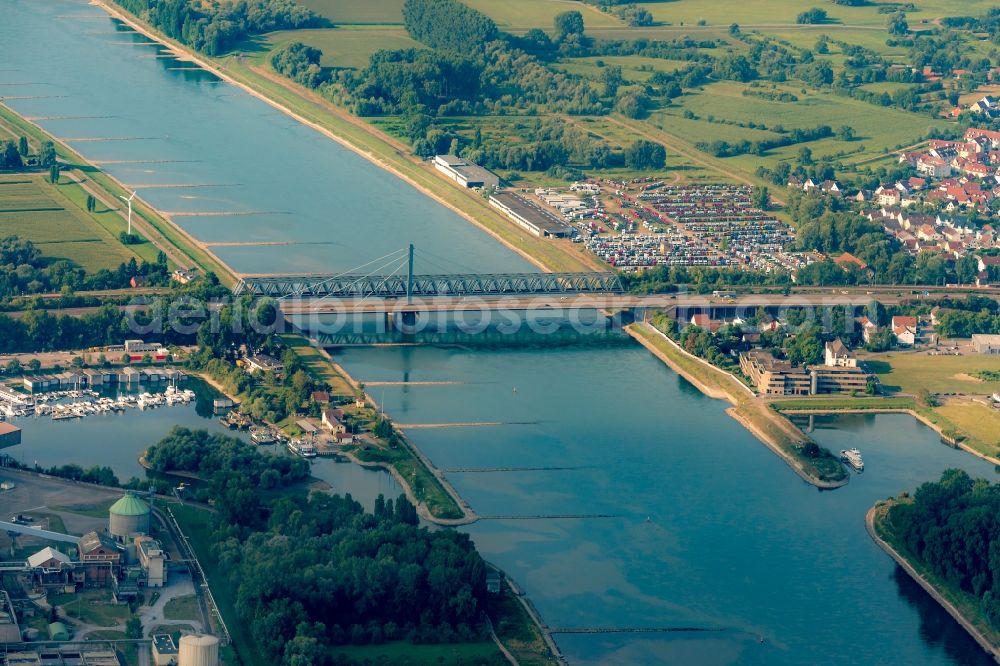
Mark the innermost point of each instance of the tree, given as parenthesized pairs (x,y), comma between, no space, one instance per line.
(91,203)
(812,16)
(734,29)
(760,197)
(10,159)
(34,365)
(133,628)
(846,133)
(897,24)
(47,154)
(22,146)
(642,155)
(54,174)
(568,23)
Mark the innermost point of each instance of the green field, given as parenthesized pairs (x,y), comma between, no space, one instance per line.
(358,11)
(980,423)
(910,371)
(768,13)
(522,15)
(347,47)
(55,219)
(634,68)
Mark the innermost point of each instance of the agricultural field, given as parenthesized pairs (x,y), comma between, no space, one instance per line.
(349,46)
(54,218)
(358,11)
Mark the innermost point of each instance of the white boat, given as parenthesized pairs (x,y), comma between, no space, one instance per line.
(298,447)
(853,458)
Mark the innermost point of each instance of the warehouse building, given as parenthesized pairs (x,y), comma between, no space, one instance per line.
(986,344)
(464,172)
(528,216)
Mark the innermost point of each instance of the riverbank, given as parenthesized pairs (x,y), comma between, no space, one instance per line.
(181,248)
(955,602)
(382,150)
(767,425)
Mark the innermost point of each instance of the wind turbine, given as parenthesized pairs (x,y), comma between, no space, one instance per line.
(129,202)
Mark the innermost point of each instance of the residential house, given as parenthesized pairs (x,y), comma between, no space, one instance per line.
(868,329)
(904,329)
(333,420)
(837,355)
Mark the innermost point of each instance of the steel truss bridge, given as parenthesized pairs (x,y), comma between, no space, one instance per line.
(428,286)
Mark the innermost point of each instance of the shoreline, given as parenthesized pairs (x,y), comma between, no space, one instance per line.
(720,394)
(185,53)
(928,587)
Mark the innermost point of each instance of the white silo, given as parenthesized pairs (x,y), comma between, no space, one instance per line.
(198,650)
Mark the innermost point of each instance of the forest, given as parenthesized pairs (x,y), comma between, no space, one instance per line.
(234,470)
(952,526)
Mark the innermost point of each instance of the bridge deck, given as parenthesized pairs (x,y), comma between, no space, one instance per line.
(387,286)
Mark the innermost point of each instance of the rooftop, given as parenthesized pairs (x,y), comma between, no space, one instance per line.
(129,505)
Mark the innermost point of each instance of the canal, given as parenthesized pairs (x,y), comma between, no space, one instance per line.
(702,529)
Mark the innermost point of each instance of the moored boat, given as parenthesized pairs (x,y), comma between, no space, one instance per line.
(853,458)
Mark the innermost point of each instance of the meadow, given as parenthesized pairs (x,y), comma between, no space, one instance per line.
(348,46)
(910,371)
(55,219)
(522,15)
(357,11)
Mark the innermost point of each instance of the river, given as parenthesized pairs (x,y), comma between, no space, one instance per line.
(688,522)
(153,121)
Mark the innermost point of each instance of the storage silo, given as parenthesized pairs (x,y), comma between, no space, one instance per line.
(198,650)
(128,516)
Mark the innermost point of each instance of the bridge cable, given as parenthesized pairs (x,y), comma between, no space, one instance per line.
(352,270)
(376,273)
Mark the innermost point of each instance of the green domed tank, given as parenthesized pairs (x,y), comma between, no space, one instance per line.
(129,515)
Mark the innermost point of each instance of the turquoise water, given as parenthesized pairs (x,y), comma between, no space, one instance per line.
(710,530)
(702,527)
(81,75)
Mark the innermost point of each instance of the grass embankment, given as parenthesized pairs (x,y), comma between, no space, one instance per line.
(767,425)
(964,607)
(180,248)
(517,631)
